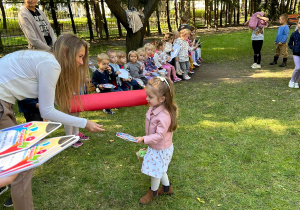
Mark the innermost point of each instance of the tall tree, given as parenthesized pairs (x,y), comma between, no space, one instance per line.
(176,12)
(88,15)
(246,11)
(158,20)
(71,16)
(55,22)
(3,15)
(104,20)
(168,15)
(98,19)
(133,40)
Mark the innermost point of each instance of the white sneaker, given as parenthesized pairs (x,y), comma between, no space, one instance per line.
(196,64)
(258,66)
(296,85)
(254,65)
(186,77)
(179,72)
(292,84)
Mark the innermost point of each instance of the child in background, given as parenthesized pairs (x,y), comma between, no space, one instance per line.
(281,40)
(134,67)
(103,75)
(131,83)
(197,51)
(183,55)
(150,67)
(161,60)
(294,44)
(113,59)
(161,122)
(169,39)
(184,23)
(177,65)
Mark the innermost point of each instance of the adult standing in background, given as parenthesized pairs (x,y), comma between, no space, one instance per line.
(35,26)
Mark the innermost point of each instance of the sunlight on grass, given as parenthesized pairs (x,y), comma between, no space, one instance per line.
(275,74)
(267,124)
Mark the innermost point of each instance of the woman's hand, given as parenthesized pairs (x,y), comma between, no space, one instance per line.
(139,139)
(93,127)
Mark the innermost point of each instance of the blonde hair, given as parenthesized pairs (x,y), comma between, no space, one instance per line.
(176,34)
(185,31)
(108,52)
(132,52)
(121,54)
(159,44)
(141,50)
(101,57)
(72,77)
(148,46)
(161,88)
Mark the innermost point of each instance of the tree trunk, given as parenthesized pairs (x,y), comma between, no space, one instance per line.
(88,15)
(221,13)
(1,44)
(98,18)
(226,14)
(238,13)
(215,13)
(104,20)
(206,13)
(168,16)
(287,6)
(246,12)
(182,8)
(234,17)
(158,21)
(176,13)
(299,7)
(133,41)
(119,28)
(194,14)
(148,31)
(55,22)
(72,19)
(3,15)
(294,9)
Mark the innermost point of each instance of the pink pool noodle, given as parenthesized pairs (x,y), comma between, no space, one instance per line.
(98,101)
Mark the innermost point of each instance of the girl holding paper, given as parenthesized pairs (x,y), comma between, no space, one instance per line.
(161,122)
(45,75)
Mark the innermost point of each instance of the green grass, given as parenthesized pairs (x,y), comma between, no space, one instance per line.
(236,146)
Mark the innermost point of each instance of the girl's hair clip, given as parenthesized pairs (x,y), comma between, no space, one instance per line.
(163,79)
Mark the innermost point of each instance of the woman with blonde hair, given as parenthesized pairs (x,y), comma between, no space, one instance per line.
(57,74)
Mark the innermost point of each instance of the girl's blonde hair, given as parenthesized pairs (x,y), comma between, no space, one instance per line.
(185,31)
(141,50)
(102,57)
(148,46)
(72,77)
(161,88)
(121,54)
(132,52)
(176,34)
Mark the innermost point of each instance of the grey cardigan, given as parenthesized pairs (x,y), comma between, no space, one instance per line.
(31,30)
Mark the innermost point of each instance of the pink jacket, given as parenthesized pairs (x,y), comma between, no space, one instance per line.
(158,122)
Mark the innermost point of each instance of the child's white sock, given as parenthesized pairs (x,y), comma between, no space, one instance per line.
(155,183)
(165,180)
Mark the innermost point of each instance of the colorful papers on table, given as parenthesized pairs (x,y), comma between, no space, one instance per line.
(140,82)
(21,137)
(108,85)
(126,137)
(35,155)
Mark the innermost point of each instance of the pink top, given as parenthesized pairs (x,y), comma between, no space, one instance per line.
(158,122)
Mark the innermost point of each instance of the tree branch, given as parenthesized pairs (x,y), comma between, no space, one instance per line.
(149,8)
(118,11)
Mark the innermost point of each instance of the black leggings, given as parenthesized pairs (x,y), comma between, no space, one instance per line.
(257,45)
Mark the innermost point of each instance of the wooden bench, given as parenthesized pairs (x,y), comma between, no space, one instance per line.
(292,19)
